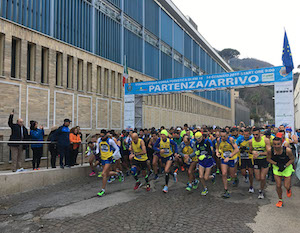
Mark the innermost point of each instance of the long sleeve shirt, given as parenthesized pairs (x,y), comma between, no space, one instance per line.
(111,143)
(37,135)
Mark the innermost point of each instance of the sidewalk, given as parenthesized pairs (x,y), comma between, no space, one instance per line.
(272,219)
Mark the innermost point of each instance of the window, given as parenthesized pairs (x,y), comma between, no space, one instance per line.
(59,65)
(2,42)
(113,83)
(89,77)
(120,81)
(45,66)
(15,57)
(31,62)
(106,82)
(70,72)
(99,79)
(80,75)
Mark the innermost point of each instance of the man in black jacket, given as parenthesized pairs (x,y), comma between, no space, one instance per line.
(18,133)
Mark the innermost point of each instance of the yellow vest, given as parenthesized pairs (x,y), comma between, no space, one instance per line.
(105,150)
(137,148)
(259,146)
(167,147)
(226,149)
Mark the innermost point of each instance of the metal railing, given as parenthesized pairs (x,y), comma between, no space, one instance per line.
(81,149)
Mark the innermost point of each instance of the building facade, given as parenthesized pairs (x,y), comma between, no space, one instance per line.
(64,59)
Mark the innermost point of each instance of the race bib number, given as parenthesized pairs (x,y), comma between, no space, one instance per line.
(138,156)
(227,154)
(104,148)
(204,152)
(167,151)
(244,155)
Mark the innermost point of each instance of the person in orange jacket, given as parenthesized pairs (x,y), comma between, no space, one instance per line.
(75,141)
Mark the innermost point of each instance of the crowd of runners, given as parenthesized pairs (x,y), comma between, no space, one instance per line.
(201,152)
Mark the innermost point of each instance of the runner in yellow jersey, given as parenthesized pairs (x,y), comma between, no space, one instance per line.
(167,149)
(260,148)
(105,147)
(139,159)
(246,158)
(187,149)
(227,149)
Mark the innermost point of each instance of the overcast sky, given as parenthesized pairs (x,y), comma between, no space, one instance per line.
(255,28)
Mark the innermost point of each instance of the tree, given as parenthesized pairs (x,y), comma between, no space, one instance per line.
(228,54)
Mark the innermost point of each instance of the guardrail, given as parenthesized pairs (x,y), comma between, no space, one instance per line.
(80,149)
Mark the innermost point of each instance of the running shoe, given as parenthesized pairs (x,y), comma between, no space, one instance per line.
(111,179)
(34,169)
(92,174)
(189,187)
(182,168)
(148,187)
(150,173)
(195,184)
(251,190)
(38,169)
(204,192)
(213,180)
(261,195)
(101,193)
(226,194)
(20,170)
(121,177)
(175,177)
(165,189)
(235,182)
(156,177)
(279,204)
(137,185)
(289,193)
(218,171)
(99,174)
(229,179)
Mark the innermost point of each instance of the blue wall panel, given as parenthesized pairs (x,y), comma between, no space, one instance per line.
(178,70)
(134,8)
(187,72)
(152,17)
(166,28)
(107,37)
(117,3)
(166,66)
(133,49)
(151,61)
(196,54)
(187,46)
(178,38)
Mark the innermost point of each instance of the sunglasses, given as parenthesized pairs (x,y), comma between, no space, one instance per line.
(255,134)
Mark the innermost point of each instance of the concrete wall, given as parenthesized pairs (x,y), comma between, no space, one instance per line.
(11,183)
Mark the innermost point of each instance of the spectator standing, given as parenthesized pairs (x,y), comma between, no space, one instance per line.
(62,136)
(18,133)
(53,146)
(75,141)
(36,134)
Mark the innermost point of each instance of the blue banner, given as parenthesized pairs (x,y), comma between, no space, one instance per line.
(265,76)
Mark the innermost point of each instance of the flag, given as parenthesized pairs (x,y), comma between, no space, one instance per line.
(287,58)
(125,73)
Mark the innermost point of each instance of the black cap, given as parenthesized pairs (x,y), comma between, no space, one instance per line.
(268,132)
(67,120)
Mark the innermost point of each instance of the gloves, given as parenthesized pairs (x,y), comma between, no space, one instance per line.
(281,167)
(201,157)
